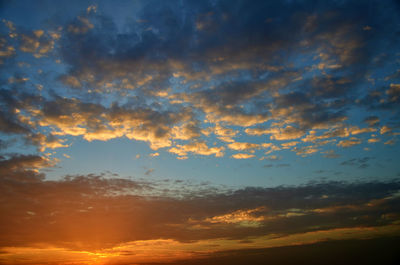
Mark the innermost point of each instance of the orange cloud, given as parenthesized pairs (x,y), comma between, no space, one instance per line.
(199,148)
(287,133)
(44,142)
(242,217)
(81,26)
(37,42)
(238,146)
(347,143)
(242,156)
(23,162)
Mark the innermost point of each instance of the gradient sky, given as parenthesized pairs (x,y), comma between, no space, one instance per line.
(148,131)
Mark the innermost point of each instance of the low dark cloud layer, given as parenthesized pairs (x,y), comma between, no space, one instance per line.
(101,212)
(345,251)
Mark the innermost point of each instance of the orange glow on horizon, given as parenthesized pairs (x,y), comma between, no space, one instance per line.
(168,250)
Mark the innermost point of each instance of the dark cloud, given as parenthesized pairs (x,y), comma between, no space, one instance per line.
(277,165)
(15,162)
(246,43)
(102,212)
(386,98)
(330,154)
(372,120)
(366,251)
(9,123)
(10,126)
(358,162)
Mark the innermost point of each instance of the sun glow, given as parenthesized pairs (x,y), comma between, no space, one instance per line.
(169,250)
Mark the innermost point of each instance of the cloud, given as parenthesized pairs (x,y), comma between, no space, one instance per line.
(372,120)
(305,150)
(385,129)
(94,212)
(187,131)
(342,132)
(71,81)
(11,126)
(6,50)
(222,131)
(287,133)
(96,122)
(24,167)
(390,142)
(347,143)
(242,156)
(199,148)
(80,26)
(242,217)
(359,162)
(193,77)
(393,92)
(36,42)
(91,8)
(373,140)
(271,158)
(44,142)
(227,80)
(330,154)
(240,146)
(289,144)
(362,250)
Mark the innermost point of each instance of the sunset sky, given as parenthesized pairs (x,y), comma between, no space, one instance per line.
(138,132)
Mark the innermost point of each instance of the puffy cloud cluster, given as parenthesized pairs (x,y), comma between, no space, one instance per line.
(296,77)
(200,148)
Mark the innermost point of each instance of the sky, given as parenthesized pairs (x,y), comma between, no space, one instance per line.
(139,132)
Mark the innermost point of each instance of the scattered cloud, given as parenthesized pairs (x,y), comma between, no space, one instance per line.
(238,146)
(359,162)
(348,143)
(271,158)
(330,154)
(287,133)
(242,156)
(199,148)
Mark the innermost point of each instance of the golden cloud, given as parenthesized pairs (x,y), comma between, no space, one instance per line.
(242,156)
(199,148)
